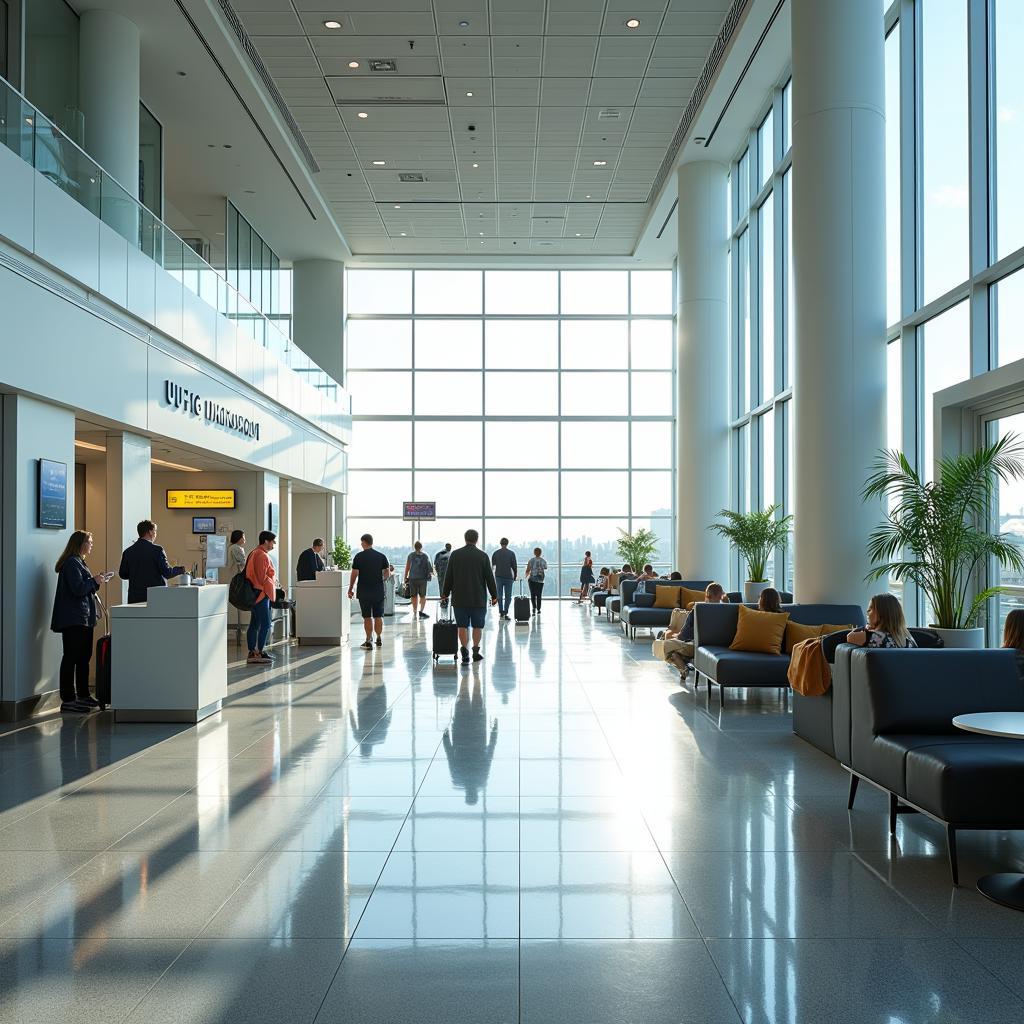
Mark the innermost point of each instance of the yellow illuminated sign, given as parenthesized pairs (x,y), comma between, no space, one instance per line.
(177,498)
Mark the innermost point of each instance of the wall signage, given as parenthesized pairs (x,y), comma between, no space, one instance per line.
(53,495)
(210,498)
(191,403)
(415,511)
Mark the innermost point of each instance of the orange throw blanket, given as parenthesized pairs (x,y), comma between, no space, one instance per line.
(809,672)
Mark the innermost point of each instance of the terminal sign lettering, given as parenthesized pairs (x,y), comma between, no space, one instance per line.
(223,498)
(193,404)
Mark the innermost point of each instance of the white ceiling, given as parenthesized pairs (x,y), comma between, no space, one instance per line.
(510,169)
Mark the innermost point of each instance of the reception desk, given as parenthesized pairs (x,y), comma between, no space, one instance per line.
(169,656)
(322,612)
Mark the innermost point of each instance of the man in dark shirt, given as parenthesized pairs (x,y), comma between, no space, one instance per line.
(310,561)
(468,580)
(371,569)
(440,565)
(506,570)
(144,564)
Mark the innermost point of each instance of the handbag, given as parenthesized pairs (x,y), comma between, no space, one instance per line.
(241,593)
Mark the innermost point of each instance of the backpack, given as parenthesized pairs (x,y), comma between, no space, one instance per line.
(241,593)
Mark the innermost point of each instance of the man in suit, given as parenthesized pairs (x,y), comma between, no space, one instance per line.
(311,561)
(144,564)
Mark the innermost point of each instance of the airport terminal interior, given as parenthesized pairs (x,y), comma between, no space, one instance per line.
(710,313)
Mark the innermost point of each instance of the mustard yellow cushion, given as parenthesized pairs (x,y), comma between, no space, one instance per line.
(796,632)
(687,597)
(759,632)
(666,597)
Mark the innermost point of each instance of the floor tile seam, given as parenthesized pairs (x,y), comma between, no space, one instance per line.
(48,887)
(958,941)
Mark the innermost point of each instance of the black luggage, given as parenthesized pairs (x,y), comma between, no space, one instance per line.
(103,661)
(521,606)
(445,639)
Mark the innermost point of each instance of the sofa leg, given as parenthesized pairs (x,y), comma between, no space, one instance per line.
(721,695)
(954,868)
(854,783)
(894,807)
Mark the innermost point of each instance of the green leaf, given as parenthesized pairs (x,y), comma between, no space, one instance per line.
(755,535)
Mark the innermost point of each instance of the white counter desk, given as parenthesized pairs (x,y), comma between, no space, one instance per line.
(169,656)
(322,612)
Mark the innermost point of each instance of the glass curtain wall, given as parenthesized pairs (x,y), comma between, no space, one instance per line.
(252,267)
(530,404)
(761,322)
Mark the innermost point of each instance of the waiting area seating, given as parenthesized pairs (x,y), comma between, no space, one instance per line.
(640,608)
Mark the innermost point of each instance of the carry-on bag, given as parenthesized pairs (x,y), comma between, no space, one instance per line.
(521,606)
(446,638)
(103,658)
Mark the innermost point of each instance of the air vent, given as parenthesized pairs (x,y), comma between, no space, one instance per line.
(412,176)
(609,115)
(383,65)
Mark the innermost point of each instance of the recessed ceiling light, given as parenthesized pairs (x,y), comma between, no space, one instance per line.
(379,163)
(88,444)
(175,465)
(469,94)
(353,63)
(362,114)
(402,234)
(633,23)
(182,74)
(330,23)
(600,163)
(463,24)
(481,232)
(398,206)
(476,165)
(586,197)
(227,145)
(577,234)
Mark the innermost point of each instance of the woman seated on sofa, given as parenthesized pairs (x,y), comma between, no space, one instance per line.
(602,579)
(886,625)
(769,601)
(677,643)
(1013,636)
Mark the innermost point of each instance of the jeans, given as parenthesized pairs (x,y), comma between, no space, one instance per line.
(536,590)
(74,665)
(259,625)
(504,593)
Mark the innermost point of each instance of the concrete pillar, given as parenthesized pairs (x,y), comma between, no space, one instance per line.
(129,494)
(839,276)
(268,512)
(108,91)
(285,546)
(318,313)
(702,423)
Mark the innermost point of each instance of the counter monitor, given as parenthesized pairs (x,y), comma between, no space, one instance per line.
(204,524)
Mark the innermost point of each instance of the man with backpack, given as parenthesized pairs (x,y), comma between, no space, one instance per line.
(440,566)
(418,571)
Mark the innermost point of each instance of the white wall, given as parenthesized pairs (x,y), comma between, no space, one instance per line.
(311,517)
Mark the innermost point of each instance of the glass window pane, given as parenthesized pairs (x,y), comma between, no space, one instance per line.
(652,493)
(662,530)
(521,394)
(767,296)
(509,493)
(892,175)
(652,445)
(790,317)
(456,493)
(585,394)
(392,537)
(523,536)
(441,444)
(594,344)
(1008,125)
(380,393)
(448,394)
(521,444)
(379,344)
(598,536)
(944,144)
(1008,318)
(583,491)
(787,110)
(379,291)
(652,393)
(651,344)
(448,291)
(374,493)
(595,445)
(743,303)
(521,344)
(764,148)
(893,397)
(946,356)
(744,184)
(521,292)
(380,444)
(766,424)
(595,292)
(448,344)
(650,292)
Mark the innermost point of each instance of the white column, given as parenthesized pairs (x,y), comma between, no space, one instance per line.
(108,91)
(318,313)
(129,485)
(702,422)
(839,276)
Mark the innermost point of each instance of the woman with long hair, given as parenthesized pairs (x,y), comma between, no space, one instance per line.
(74,617)
(769,601)
(1013,636)
(586,577)
(886,626)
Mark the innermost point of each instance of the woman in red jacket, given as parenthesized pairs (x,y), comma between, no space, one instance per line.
(259,571)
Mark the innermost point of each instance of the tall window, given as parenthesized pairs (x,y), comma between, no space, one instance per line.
(530,404)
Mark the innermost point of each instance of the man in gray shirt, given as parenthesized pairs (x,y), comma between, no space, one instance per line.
(469,580)
(505,572)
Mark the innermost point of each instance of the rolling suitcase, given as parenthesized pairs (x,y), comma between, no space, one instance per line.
(103,661)
(445,639)
(521,606)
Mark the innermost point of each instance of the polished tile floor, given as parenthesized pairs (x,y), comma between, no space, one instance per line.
(560,833)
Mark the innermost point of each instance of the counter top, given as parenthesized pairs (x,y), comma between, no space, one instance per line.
(177,603)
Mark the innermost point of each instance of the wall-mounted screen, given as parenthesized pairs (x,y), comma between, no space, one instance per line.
(204,524)
(52,495)
(222,498)
(419,510)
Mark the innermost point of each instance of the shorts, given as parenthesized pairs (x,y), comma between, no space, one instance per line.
(417,588)
(466,617)
(371,607)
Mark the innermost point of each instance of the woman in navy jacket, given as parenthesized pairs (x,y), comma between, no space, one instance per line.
(74,616)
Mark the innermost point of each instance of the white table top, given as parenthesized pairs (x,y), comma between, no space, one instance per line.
(993,723)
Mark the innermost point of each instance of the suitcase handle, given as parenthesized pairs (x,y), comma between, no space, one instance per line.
(101,608)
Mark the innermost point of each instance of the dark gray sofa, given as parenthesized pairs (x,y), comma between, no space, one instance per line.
(902,737)
(636,617)
(715,628)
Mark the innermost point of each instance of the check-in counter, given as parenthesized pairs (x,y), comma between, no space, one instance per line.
(169,656)
(322,611)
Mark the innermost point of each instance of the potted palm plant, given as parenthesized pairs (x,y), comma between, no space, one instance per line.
(637,549)
(342,553)
(755,535)
(934,534)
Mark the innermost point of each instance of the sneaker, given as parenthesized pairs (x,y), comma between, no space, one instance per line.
(262,658)
(267,655)
(465,655)
(477,656)
(424,615)
(90,701)
(75,707)
(253,658)
(366,645)
(380,643)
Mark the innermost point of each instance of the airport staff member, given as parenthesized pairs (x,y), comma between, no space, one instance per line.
(311,561)
(144,564)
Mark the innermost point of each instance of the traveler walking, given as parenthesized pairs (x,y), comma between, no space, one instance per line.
(371,569)
(311,562)
(418,571)
(144,564)
(506,571)
(586,577)
(260,572)
(440,564)
(535,570)
(468,579)
(74,617)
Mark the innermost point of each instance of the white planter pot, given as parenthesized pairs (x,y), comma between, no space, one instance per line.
(974,639)
(752,591)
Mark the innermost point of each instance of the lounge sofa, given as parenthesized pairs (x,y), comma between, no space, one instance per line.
(715,628)
(635,616)
(902,737)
